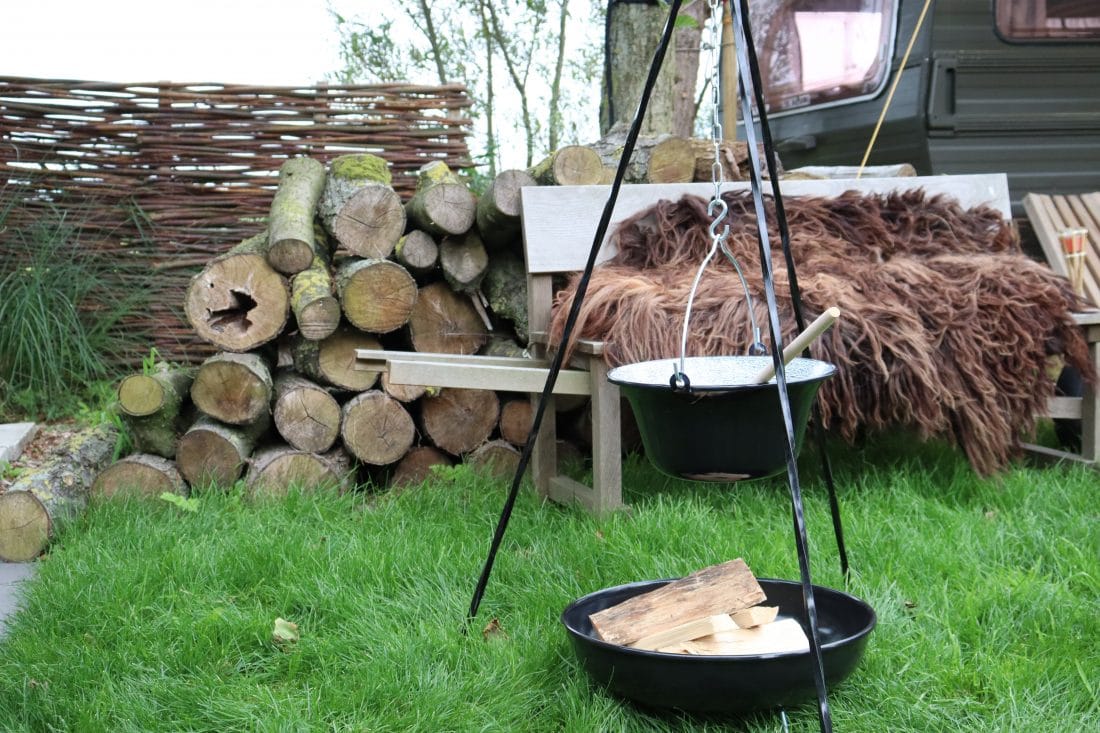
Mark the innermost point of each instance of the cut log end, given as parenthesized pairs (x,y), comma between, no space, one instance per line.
(140,395)
(497,458)
(415,467)
(377,295)
(307,416)
(444,322)
(277,470)
(290,256)
(233,388)
(371,222)
(376,428)
(140,474)
(459,420)
(238,303)
(24,526)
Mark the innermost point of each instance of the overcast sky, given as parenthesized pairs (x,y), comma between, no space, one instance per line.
(245,41)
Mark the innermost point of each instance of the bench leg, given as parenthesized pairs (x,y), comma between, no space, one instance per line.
(1090,411)
(607,452)
(544,454)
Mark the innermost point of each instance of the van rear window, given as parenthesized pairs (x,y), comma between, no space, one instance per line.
(1048,20)
(817,51)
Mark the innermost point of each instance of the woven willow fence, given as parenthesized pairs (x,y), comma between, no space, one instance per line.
(166,175)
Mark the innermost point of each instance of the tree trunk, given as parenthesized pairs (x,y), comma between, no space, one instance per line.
(573,165)
(464,261)
(376,295)
(498,210)
(306,415)
(360,208)
(416,466)
(417,252)
(459,420)
(445,322)
(688,42)
(315,307)
(442,204)
(661,159)
(211,453)
(634,31)
(233,388)
(376,428)
(275,469)
(332,360)
(516,416)
(292,244)
(506,290)
(37,506)
(238,302)
(139,475)
(141,395)
(497,458)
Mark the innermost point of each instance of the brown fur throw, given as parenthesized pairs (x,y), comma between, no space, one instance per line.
(946,328)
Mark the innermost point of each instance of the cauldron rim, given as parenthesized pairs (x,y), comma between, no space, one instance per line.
(818,371)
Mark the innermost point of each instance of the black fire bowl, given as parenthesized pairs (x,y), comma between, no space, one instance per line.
(722,685)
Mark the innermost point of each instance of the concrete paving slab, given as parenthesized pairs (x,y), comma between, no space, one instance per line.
(14,437)
(12,576)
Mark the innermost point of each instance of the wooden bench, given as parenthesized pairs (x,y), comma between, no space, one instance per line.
(559,224)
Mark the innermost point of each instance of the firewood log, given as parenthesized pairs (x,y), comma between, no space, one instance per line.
(376,296)
(233,388)
(238,302)
(38,505)
(152,406)
(275,469)
(139,474)
(360,208)
(446,323)
(403,392)
(498,210)
(496,458)
(661,159)
(212,453)
(459,420)
(516,417)
(417,252)
(332,360)
(464,261)
(306,414)
(505,287)
(292,244)
(376,428)
(415,467)
(572,165)
(442,204)
(316,309)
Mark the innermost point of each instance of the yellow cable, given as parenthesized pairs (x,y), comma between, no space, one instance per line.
(893,88)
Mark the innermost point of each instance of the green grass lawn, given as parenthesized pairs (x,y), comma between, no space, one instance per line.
(147,617)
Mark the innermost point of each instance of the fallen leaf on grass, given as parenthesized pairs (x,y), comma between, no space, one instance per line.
(286,632)
(493,630)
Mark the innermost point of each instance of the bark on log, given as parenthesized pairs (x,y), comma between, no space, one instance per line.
(504,346)
(377,296)
(238,302)
(734,156)
(415,467)
(37,506)
(141,395)
(211,453)
(306,415)
(496,458)
(233,388)
(293,245)
(332,360)
(316,309)
(516,417)
(376,428)
(360,208)
(442,204)
(660,159)
(139,475)
(157,434)
(464,261)
(445,322)
(459,420)
(417,252)
(276,469)
(506,290)
(498,210)
(572,165)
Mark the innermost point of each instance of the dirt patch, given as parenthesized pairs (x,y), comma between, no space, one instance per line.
(42,447)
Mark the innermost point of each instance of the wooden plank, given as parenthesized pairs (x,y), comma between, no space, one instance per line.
(724,588)
(686,632)
(1089,218)
(1068,213)
(372,359)
(1066,408)
(483,376)
(1039,211)
(755,616)
(781,637)
(555,242)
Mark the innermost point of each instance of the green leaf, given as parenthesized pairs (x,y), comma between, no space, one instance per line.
(285,632)
(180,502)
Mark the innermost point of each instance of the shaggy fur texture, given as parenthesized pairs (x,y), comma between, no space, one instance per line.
(946,328)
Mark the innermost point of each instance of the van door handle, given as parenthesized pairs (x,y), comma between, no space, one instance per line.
(797,144)
(941,94)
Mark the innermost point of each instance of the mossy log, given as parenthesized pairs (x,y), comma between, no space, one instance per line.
(157,434)
(38,505)
(276,469)
(316,309)
(376,296)
(505,287)
(139,475)
(415,467)
(496,458)
(238,302)
(464,261)
(442,203)
(417,252)
(332,360)
(459,420)
(445,322)
(360,208)
(376,428)
(661,159)
(572,165)
(498,210)
(306,414)
(212,453)
(233,388)
(163,390)
(292,243)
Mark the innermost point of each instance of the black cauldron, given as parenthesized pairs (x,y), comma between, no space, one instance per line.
(724,685)
(724,427)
